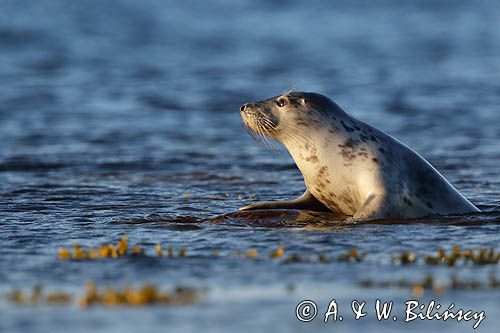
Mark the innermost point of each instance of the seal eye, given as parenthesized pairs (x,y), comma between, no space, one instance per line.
(281,102)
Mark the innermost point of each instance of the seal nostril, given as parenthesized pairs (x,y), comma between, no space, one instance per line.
(242,108)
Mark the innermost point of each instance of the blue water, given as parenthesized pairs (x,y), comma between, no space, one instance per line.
(111,111)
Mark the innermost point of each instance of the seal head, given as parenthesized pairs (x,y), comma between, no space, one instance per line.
(278,115)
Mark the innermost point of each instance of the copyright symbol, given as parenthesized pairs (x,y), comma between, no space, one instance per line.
(306,311)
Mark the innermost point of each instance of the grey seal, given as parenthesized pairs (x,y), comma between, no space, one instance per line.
(350,167)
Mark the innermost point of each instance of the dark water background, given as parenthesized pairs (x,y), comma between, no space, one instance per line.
(111,110)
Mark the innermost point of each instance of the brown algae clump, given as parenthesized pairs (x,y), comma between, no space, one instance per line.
(351,255)
(38,297)
(252,253)
(170,251)
(111,250)
(105,251)
(159,250)
(405,258)
(429,283)
(63,254)
(143,296)
(455,257)
(278,253)
(109,297)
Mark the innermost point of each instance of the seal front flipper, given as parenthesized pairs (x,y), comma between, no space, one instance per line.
(305,202)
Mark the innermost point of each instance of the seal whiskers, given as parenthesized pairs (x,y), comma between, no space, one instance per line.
(258,134)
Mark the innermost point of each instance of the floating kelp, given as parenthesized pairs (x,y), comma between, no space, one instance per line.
(457,256)
(170,251)
(158,250)
(110,250)
(252,253)
(38,297)
(109,297)
(480,256)
(405,258)
(429,283)
(128,296)
(121,248)
(278,253)
(352,255)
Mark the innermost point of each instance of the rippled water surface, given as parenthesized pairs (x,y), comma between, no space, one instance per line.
(122,118)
